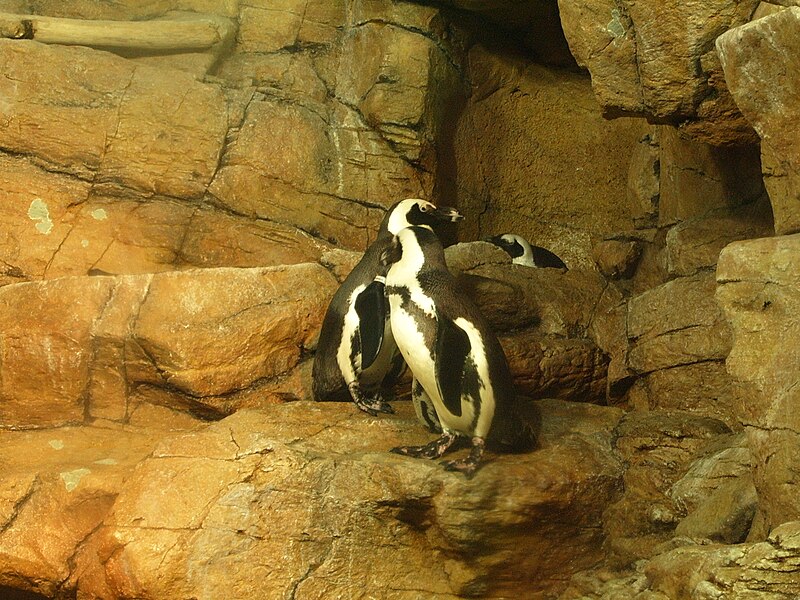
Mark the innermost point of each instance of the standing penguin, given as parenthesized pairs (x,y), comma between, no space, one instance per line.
(452,352)
(356,352)
(522,253)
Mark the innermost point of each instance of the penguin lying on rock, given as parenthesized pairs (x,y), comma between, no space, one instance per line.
(356,351)
(452,352)
(522,253)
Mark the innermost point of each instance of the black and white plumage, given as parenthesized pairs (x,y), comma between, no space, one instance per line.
(356,353)
(452,352)
(522,253)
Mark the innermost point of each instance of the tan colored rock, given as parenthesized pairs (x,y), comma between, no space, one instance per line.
(678,323)
(52,229)
(46,349)
(312,487)
(58,486)
(658,448)
(697,178)
(556,368)
(756,58)
(617,258)
(758,290)
(560,192)
(105,119)
(738,572)
(622,45)
(695,244)
(209,340)
(644,181)
(704,389)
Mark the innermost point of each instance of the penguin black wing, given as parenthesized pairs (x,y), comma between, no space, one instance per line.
(370,306)
(452,352)
(543,258)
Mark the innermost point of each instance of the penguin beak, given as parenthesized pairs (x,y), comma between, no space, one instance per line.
(447,213)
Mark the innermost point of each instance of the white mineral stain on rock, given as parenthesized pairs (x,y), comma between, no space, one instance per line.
(99,214)
(56,444)
(615,26)
(85,243)
(38,212)
(106,461)
(71,479)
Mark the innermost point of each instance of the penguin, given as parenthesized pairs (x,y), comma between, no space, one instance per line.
(522,253)
(356,351)
(452,352)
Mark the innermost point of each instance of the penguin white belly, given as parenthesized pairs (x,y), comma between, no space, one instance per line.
(479,360)
(345,350)
(420,360)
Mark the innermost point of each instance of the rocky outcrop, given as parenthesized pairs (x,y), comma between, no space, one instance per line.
(205,341)
(310,487)
(511,158)
(759,288)
(622,45)
(757,58)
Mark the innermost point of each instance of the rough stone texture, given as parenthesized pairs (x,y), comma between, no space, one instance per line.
(208,341)
(54,225)
(695,244)
(664,333)
(757,58)
(617,258)
(622,44)
(766,569)
(109,121)
(761,570)
(759,283)
(515,176)
(210,512)
(658,448)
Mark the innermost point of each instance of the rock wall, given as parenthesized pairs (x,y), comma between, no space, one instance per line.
(175,220)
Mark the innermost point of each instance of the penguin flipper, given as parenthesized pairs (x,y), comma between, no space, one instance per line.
(452,350)
(370,306)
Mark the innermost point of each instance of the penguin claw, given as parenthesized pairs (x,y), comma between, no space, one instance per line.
(465,466)
(432,450)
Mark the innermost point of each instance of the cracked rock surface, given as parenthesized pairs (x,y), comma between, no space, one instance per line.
(211,511)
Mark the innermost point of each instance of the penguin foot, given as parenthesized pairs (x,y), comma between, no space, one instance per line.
(434,449)
(371,405)
(469,465)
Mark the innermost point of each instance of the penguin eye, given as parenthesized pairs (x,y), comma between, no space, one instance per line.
(425,207)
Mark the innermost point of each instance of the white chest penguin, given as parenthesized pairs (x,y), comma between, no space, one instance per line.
(522,253)
(452,352)
(356,355)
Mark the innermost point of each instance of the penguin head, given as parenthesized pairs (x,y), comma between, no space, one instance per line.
(515,245)
(416,212)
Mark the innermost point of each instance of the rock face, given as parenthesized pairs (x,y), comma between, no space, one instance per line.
(759,289)
(311,487)
(97,347)
(512,172)
(756,58)
(622,44)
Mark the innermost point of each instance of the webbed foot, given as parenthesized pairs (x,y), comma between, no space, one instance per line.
(371,405)
(434,449)
(469,465)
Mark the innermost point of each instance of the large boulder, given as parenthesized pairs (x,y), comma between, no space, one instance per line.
(759,290)
(757,59)
(206,340)
(211,511)
(623,46)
